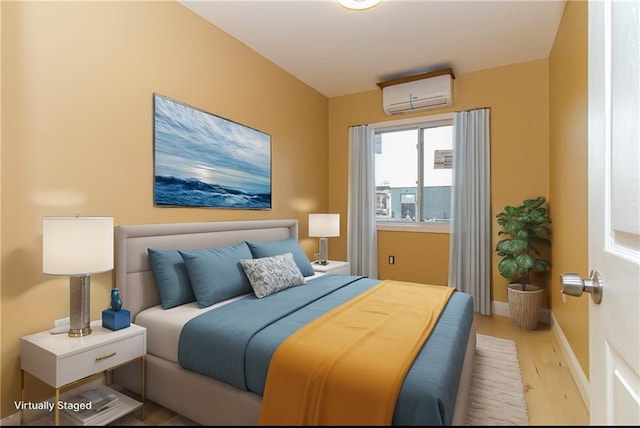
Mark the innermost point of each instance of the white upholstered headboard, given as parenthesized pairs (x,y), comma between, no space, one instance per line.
(133,272)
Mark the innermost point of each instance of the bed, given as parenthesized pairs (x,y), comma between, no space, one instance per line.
(214,396)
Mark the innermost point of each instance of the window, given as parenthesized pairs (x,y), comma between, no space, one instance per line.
(413,173)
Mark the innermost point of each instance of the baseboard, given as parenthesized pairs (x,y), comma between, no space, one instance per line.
(574,366)
(546,317)
(502,309)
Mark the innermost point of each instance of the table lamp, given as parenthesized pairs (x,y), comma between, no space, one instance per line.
(77,247)
(324,226)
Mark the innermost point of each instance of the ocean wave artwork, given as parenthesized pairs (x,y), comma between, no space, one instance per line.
(176,191)
(203,160)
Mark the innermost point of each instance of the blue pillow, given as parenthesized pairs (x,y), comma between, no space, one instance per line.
(216,274)
(172,280)
(275,248)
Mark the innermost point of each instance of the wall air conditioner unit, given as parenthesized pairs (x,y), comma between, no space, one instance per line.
(416,95)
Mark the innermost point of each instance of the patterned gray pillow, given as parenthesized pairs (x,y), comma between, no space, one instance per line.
(269,275)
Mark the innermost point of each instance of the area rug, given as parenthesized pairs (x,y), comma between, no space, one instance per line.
(496,396)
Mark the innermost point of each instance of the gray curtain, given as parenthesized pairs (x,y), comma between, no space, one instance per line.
(362,248)
(470,247)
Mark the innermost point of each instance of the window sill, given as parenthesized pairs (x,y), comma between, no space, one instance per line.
(414,227)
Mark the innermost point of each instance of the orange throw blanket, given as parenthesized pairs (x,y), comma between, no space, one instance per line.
(347,366)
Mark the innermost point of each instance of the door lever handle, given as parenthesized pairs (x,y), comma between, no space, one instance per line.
(574,285)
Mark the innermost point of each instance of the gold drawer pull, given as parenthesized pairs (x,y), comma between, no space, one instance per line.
(106,356)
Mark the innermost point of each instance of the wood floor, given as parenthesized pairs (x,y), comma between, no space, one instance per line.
(551,394)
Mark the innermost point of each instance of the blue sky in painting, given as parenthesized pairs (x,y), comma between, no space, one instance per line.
(190,143)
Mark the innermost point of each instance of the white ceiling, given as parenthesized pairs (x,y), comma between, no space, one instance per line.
(339,51)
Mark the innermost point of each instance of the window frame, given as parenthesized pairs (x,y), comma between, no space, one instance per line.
(431,121)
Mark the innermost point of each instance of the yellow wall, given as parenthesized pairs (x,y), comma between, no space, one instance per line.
(568,83)
(518,97)
(77,82)
(414,261)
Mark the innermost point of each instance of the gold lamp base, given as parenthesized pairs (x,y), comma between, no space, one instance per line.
(80,332)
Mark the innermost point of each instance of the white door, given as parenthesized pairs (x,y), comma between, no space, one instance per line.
(614,210)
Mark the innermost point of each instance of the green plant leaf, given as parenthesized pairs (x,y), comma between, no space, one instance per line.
(541,230)
(539,239)
(508,268)
(534,203)
(525,261)
(541,265)
(512,226)
(512,246)
(539,218)
(511,211)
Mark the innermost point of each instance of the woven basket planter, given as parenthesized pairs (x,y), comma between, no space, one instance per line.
(525,305)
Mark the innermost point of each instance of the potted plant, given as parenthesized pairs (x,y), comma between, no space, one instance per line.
(524,229)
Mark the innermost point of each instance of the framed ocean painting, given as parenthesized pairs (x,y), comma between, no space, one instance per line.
(204,160)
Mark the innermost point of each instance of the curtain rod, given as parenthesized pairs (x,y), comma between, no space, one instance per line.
(418,119)
(472,109)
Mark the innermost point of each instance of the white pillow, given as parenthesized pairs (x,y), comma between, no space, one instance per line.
(268,275)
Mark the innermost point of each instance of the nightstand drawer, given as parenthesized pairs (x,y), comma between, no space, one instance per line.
(59,360)
(99,359)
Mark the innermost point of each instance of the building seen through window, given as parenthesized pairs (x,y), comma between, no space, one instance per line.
(413,173)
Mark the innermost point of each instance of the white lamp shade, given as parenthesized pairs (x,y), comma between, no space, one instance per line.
(324,225)
(77,245)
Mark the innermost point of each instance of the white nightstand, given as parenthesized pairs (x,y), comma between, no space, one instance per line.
(333,266)
(65,362)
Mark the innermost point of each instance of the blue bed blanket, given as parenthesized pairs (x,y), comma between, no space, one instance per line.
(234,343)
